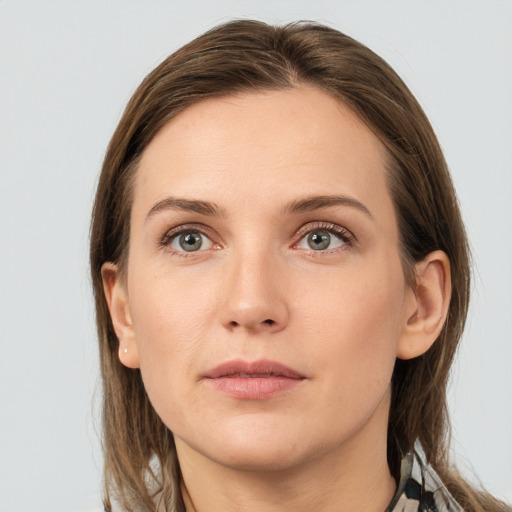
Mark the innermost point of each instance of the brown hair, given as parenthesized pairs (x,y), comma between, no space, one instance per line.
(249,56)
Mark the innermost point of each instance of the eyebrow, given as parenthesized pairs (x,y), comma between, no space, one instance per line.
(304,205)
(312,203)
(186,205)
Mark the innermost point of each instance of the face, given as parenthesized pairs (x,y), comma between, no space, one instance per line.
(265,299)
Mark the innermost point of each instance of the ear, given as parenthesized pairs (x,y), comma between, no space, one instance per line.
(427,306)
(117,301)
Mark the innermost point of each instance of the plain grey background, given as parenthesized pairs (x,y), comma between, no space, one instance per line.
(68,68)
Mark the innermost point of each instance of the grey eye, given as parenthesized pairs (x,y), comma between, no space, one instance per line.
(319,240)
(190,242)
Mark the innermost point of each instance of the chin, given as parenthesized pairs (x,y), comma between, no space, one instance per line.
(255,458)
(251,448)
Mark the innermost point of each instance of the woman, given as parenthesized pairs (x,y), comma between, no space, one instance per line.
(281,278)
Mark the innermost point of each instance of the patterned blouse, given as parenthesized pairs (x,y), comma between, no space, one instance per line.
(420,489)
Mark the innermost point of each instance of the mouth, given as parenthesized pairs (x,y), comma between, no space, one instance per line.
(256,380)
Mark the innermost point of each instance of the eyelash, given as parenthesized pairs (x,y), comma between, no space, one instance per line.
(173,233)
(342,233)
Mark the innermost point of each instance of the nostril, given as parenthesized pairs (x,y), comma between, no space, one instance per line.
(251,326)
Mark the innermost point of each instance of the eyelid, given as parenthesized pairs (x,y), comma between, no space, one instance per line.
(172,233)
(346,235)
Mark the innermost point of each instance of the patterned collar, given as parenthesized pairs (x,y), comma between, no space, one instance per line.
(420,488)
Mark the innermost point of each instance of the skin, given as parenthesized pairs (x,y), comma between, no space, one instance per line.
(256,289)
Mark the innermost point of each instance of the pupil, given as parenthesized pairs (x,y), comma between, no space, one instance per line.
(319,240)
(190,242)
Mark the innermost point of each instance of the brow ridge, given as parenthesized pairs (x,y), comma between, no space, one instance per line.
(304,205)
(187,205)
(312,203)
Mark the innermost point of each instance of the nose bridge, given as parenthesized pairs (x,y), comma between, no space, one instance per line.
(254,298)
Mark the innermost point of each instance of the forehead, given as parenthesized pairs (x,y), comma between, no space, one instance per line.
(270,145)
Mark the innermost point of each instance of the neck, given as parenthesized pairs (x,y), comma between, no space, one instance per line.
(355,477)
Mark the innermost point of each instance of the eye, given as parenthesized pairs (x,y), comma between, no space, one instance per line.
(188,241)
(325,238)
(320,240)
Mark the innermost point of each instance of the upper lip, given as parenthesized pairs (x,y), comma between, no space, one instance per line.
(261,368)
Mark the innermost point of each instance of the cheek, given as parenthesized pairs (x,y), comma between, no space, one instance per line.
(171,318)
(168,309)
(358,318)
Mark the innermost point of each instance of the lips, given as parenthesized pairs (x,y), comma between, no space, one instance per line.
(253,380)
(263,368)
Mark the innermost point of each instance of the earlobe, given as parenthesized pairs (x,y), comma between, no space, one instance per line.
(118,305)
(428,306)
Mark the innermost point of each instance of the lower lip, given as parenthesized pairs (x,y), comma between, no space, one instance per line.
(254,388)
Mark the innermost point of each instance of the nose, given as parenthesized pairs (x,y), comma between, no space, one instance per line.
(254,295)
